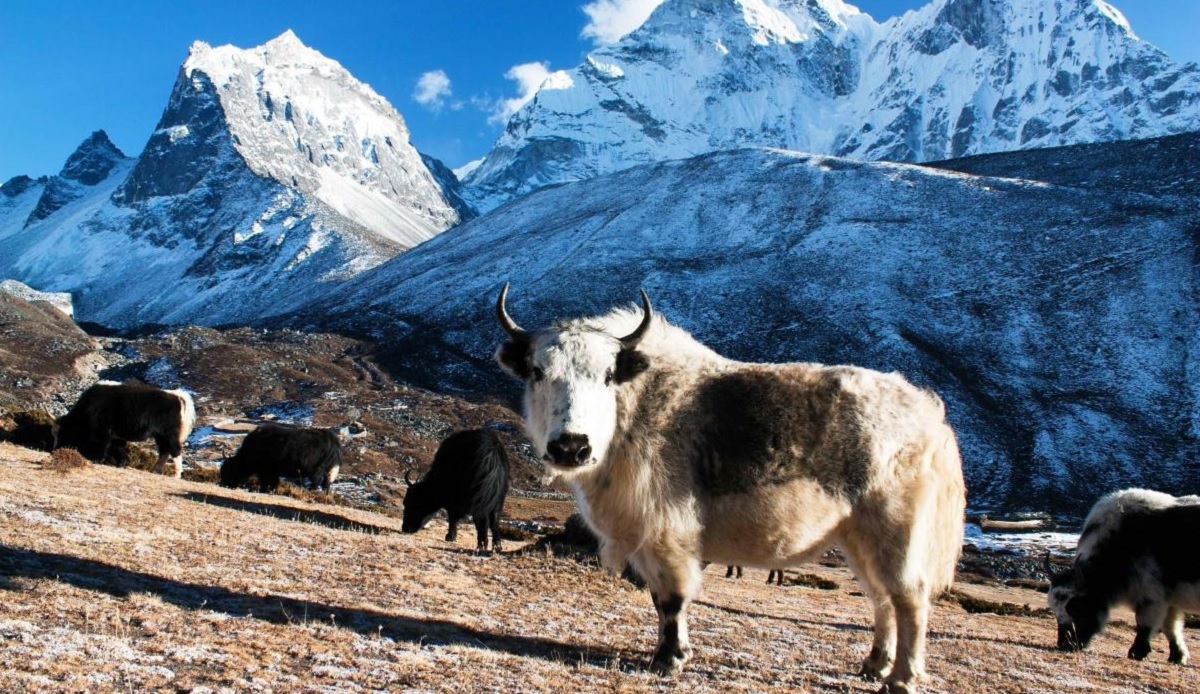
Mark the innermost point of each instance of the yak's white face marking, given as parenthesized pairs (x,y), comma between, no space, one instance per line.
(571,390)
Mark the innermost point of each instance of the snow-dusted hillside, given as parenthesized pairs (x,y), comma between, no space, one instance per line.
(955,78)
(272,175)
(1054,310)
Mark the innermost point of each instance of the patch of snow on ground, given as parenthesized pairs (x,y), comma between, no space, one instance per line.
(1058,543)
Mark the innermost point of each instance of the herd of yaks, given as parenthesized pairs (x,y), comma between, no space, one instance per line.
(679,457)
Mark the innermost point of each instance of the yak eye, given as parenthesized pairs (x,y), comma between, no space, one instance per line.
(538,374)
(608,377)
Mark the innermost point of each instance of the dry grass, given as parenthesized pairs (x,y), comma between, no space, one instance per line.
(66,460)
(118,580)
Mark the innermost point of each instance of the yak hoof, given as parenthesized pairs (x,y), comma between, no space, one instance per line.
(1178,658)
(898,688)
(669,662)
(1137,652)
(875,666)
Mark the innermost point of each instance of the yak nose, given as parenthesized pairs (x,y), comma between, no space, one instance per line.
(569,450)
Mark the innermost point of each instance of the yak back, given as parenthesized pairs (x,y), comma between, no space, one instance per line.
(285,451)
(133,412)
(1163,536)
(469,473)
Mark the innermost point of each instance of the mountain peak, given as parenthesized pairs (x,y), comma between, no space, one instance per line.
(93,159)
(286,40)
(950,79)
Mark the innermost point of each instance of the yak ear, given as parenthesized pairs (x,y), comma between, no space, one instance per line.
(514,357)
(630,363)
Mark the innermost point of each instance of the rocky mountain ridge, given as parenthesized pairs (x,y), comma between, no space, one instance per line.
(952,79)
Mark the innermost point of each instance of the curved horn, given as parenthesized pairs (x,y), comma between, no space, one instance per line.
(632,339)
(510,326)
(1046,565)
(408,481)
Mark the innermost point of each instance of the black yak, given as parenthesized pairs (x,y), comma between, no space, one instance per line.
(109,414)
(468,477)
(273,451)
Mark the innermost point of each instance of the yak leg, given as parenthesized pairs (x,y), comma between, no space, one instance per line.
(169,448)
(494,522)
(1150,617)
(118,449)
(481,527)
(268,481)
(912,620)
(878,663)
(452,533)
(1173,626)
(673,576)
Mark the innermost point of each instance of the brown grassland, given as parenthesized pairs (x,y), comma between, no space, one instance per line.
(120,580)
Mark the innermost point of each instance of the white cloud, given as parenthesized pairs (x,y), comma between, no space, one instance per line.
(612,19)
(433,90)
(528,76)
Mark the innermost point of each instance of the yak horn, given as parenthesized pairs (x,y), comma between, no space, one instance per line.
(510,326)
(1046,564)
(632,339)
(408,481)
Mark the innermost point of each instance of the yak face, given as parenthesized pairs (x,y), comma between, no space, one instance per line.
(572,376)
(571,397)
(419,507)
(1079,616)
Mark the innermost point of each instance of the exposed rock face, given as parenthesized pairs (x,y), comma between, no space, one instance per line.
(955,78)
(1053,309)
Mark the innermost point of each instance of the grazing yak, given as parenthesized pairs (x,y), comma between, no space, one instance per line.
(468,477)
(1136,549)
(109,414)
(273,451)
(678,455)
(774,576)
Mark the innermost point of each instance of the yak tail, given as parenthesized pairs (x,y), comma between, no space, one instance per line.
(490,485)
(187,414)
(946,510)
(330,465)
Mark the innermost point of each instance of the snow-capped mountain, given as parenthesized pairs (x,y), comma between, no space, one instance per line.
(1054,309)
(272,174)
(955,78)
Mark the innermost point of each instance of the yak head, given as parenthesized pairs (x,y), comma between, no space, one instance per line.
(572,373)
(1080,616)
(420,505)
(235,472)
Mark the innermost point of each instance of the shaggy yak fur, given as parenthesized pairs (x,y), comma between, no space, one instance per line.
(273,451)
(110,414)
(1136,549)
(468,477)
(678,455)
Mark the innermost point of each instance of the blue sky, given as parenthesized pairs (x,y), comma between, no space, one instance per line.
(71,66)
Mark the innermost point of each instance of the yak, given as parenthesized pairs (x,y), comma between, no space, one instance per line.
(273,451)
(678,455)
(109,414)
(774,576)
(468,477)
(1136,549)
